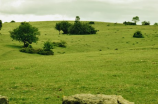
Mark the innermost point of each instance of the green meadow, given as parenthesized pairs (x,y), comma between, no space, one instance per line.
(110,62)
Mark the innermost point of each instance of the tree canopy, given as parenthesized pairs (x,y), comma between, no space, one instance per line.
(64,26)
(77,19)
(146,23)
(25,33)
(135,19)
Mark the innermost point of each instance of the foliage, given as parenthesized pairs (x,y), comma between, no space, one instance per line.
(47,46)
(82,28)
(77,19)
(28,49)
(58,27)
(155,24)
(25,33)
(129,23)
(146,23)
(36,51)
(138,34)
(64,26)
(135,19)
(0,24)
(45,52)
(59,44)
(91,22)
(12,21)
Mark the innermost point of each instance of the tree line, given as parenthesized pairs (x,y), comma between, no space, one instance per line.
(135,20)
(28,34)
(76,28)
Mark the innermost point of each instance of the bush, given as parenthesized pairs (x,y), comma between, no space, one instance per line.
(44,52)
(38,51)
(47,46)
(155,24)
(59,44)
(28,50)
(138,34)
(129,23)
(91,22)
(82,28)
(145,23)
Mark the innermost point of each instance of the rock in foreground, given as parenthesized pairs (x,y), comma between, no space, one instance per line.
(94,99)
(3,100)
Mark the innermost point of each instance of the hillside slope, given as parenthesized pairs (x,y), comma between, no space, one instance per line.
(109,62)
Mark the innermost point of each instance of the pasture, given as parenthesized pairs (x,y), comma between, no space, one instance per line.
(110,62)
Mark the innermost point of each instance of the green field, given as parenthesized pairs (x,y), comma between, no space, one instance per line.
(110,62)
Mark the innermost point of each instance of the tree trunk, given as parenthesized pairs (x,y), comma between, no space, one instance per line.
(26,44)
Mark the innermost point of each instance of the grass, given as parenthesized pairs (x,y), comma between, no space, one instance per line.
(110,62)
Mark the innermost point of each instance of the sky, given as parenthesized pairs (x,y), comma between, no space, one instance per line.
(88,10)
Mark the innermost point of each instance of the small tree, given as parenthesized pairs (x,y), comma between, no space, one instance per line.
(77,19)
(64,26)
(135,19)
(0,24)
(25,33)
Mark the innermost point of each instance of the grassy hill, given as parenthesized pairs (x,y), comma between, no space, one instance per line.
(109,62)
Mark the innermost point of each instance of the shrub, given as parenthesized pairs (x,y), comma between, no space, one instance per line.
(82,28)
(155,24)
(91,22)
(129,23)
(28,50)
(138,34)
(59,44)
(47,46)
(38,51)
(44,52)
(145,23)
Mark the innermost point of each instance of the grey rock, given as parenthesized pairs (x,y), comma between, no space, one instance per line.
(95,99)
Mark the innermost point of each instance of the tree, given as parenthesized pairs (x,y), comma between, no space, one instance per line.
(0,24)
(25,33)
(12,21)
(82,28)
(77,19)
(145,23)
(64,26)
(58,27)
(135,19)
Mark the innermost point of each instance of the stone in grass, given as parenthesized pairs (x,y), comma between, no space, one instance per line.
(3,100)
(95,99)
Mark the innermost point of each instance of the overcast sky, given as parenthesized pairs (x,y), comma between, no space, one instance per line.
(90,10)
